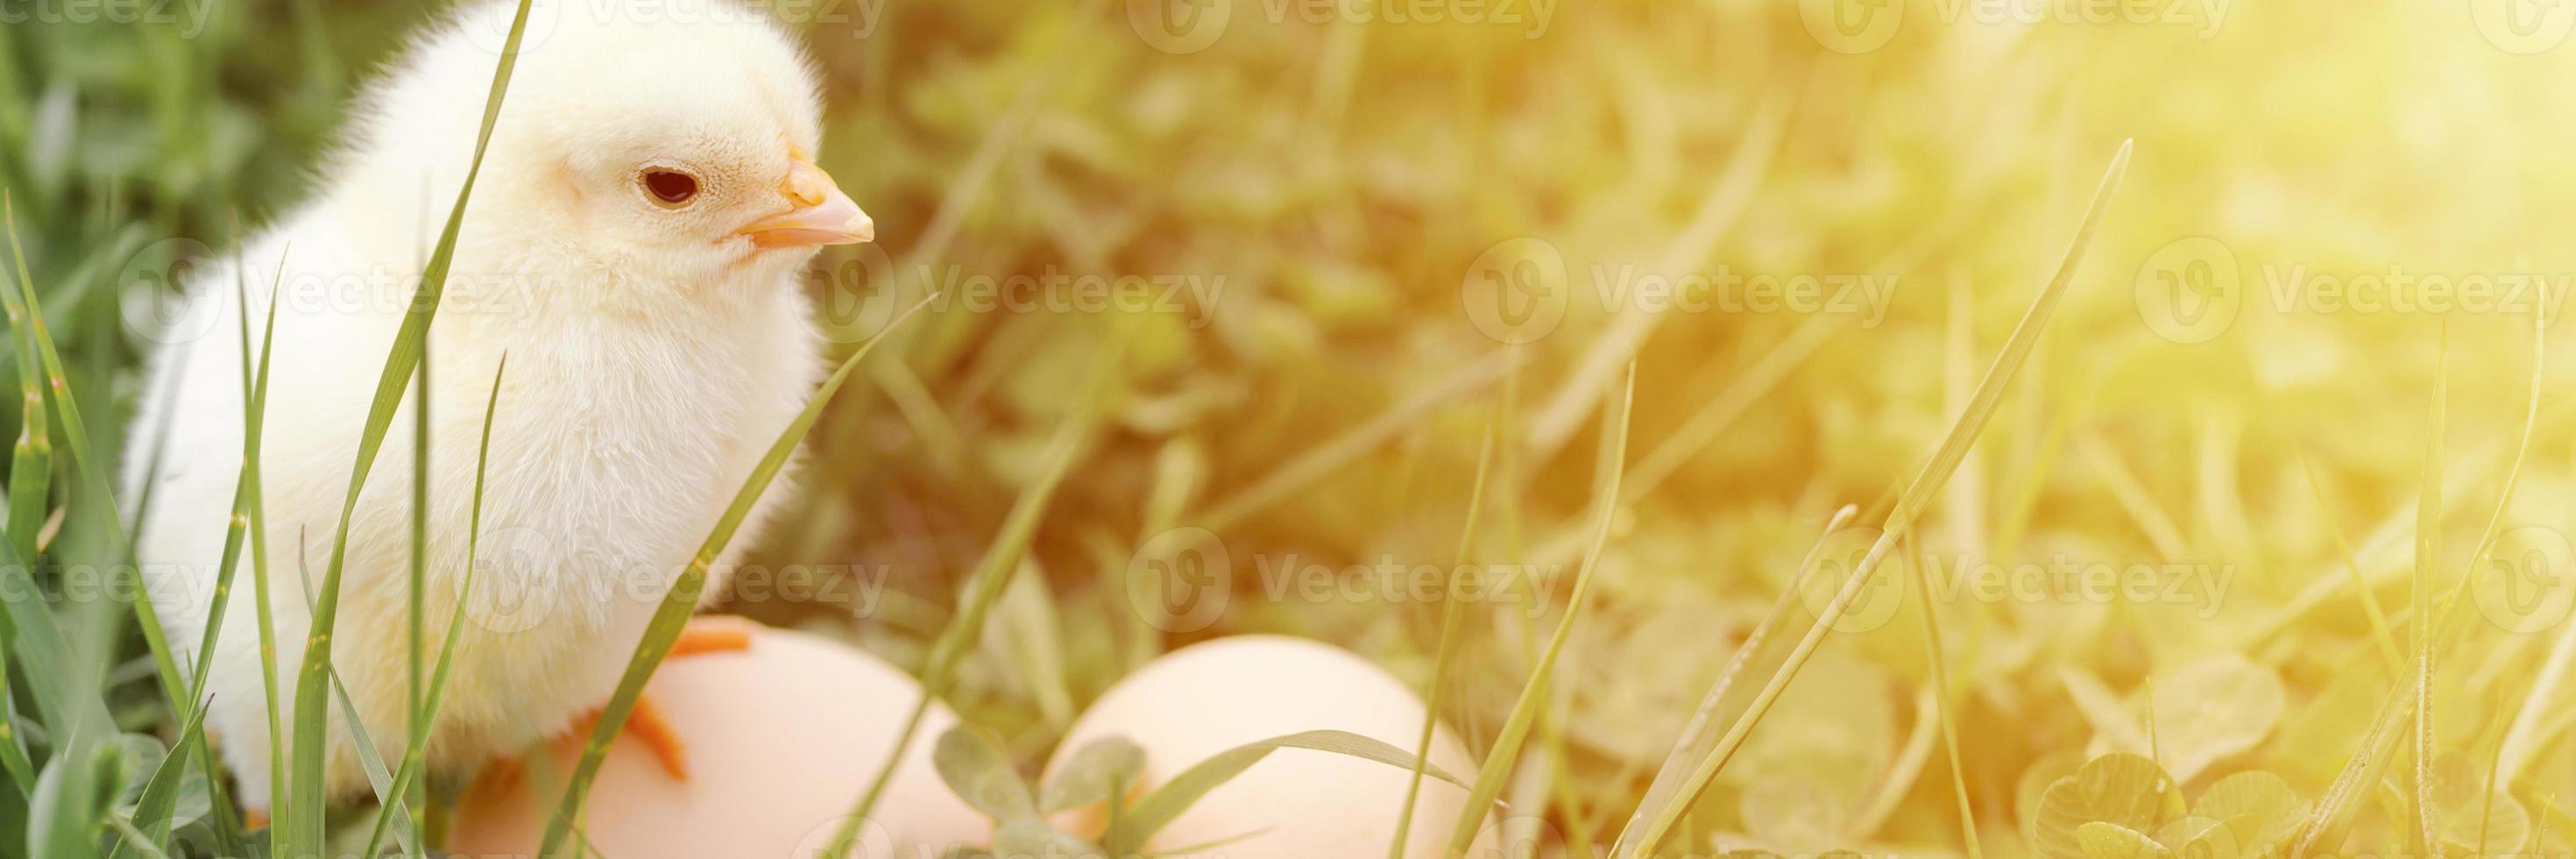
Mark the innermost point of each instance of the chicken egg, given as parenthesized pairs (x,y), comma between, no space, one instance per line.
(1296,803)
(780,740)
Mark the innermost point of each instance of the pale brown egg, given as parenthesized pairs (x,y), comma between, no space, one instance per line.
(1296,803)
(780,739)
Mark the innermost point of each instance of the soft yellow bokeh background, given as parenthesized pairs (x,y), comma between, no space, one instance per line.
(1344,184)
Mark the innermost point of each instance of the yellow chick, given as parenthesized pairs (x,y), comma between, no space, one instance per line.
(632,244)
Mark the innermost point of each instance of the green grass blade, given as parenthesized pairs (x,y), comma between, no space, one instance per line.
(363,742)
(255,523)
(1612,464)
(91,471)
(415,751)
(1699,734)
(31,459)
(379,778)
(37,640)
(127,834)
(985,584)
(1918,492)
(1445,656)
(1166,803)
(2368,766)
(13,748)
(2433,635)
(30,478)
(1938,662)
(2428,548)
(664,629)
(415,651)
(303,833)
(161,791)
(254,393)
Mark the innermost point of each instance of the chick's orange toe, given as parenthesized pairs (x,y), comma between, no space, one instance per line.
(647,726)
(712,634)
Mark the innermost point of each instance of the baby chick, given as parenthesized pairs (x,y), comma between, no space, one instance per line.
(632,245)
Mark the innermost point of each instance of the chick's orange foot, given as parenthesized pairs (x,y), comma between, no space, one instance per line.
(703,635)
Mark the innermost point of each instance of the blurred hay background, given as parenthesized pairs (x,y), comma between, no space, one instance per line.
(1339,181)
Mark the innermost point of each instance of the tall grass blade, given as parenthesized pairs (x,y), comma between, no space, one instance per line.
(1650,827)
(91,470)
(992,574)
(1166,803)
(2516,739)
(1612,464)
(31,459)
(304,786)
(2428,547)
(30,479)
(1446,657)
(415,651)
(1940,672)
(1699,734)
(255,400)
(161,791)
(415,751)
(664,629)
(254,522)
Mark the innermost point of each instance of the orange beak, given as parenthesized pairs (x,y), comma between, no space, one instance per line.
(818,214)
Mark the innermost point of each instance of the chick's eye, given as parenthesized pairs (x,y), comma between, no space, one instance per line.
(670,187)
